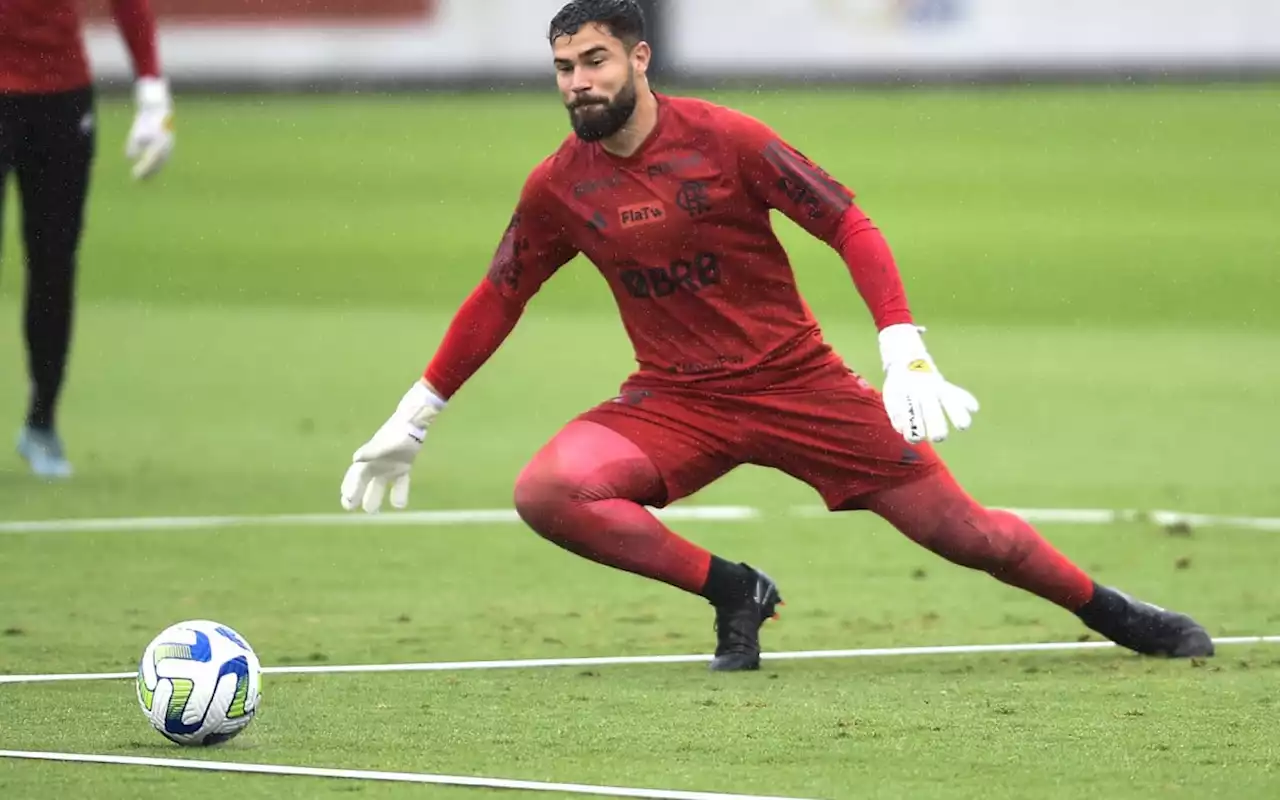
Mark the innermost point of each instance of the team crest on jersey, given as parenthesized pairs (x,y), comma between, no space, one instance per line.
(641,214)
(694,198)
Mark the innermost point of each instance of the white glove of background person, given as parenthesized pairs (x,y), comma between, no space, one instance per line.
(151,138)
(384,461)
(916,396)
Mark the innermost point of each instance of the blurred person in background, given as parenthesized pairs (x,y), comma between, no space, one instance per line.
(47,140)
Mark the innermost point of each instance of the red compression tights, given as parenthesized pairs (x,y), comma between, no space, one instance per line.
(585,491)
(936,513)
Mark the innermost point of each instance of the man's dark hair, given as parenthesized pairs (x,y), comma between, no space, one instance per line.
(624,19)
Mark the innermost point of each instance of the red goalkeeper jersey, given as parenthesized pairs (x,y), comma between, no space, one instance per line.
(42,48)
(681,232)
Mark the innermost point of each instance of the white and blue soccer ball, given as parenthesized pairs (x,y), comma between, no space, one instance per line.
(199,683)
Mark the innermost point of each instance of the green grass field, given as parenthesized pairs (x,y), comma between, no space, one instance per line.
(1101,267)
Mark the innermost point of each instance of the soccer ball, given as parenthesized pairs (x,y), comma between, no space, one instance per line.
(199,683)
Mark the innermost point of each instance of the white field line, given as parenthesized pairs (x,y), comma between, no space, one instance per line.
(1077,516)
(1098,516)
(418,518)
(392,777)
(1108,516)
(597,661)
(1210,520)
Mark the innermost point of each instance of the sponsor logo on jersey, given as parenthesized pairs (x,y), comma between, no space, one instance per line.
(641,214)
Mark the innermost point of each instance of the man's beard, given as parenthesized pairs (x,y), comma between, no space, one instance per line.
(596,119)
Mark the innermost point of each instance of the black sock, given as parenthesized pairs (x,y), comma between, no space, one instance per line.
(727,582)
(1106,604)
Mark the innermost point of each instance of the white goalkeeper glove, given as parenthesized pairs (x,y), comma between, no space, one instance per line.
(151,138)
(916,396)
(383,463)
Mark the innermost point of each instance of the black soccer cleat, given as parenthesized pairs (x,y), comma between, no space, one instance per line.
(1143,627)
(738,624)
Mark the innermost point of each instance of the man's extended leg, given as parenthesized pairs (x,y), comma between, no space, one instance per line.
(837,438)
(587,491)
(53,176)
(936,513)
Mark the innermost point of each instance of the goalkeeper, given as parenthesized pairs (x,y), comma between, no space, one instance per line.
(669,198)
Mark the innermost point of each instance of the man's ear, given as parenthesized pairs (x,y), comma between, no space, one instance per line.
(641,55)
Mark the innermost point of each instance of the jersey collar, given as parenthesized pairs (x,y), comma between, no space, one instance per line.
(639,154)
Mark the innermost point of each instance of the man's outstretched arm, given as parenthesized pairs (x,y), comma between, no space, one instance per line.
(480,326)
(916,397)
(532,249)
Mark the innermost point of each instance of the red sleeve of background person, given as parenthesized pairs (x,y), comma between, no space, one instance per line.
(137,25)
(42,46)
(783,178)
(532,249)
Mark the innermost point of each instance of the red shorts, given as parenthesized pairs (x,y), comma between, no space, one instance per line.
(829,430)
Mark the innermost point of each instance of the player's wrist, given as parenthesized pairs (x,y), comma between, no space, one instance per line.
(420,405)
(152,91)
(902,344)
(426,383)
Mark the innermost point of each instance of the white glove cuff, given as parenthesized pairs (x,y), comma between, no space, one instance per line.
(420,405)
(902,344)
(152,93)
